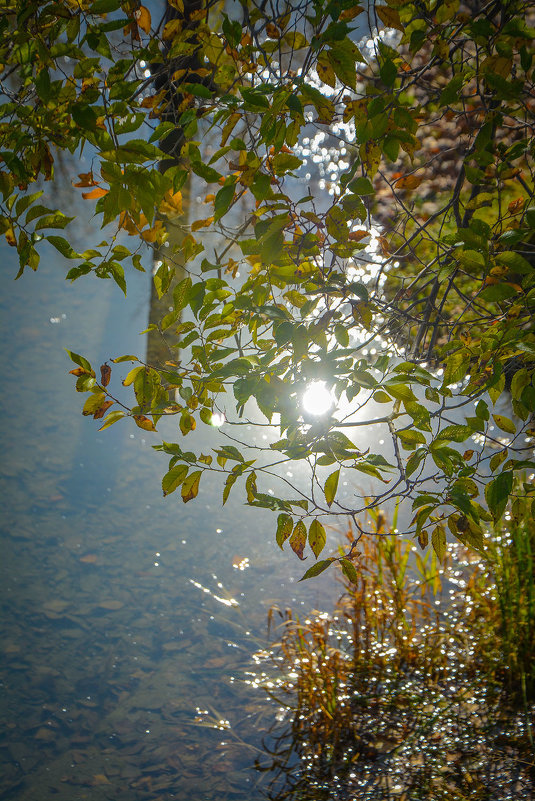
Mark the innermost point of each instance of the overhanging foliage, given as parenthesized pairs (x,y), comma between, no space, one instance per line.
(428,314)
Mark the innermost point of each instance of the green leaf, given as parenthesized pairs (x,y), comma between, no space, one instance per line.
(229,483)
(174,478)
(438,541)
(79,360)
(57,220)
(250,487)
(223,199)
(331,485)
(317,568)
(454,433)
(285,162)
(349,570)
(497,493)
(110,419)
(64,247)
(93,403)
(411,438)
(181,294)
(316,537)
(361,186)
(504,423)
(284,529)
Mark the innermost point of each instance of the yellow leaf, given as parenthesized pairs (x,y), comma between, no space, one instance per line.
(229,127)
(370,153)
(171,204)
(144,422)
(298,539)
(325,70)
(190,487)
(171,29)
(95,193)
(154,233)
(143,18)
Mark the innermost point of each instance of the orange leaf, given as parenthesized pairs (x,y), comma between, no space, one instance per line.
(383,246)
(143,18)
(86,179)
(152,234)
(95,193)
(356,236)
(201,223)
(408,182)
(516,205)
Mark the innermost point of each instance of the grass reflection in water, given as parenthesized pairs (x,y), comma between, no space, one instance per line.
(419,685)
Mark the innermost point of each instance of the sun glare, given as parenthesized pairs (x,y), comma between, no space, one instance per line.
(317,398)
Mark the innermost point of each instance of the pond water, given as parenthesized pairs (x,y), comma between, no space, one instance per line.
(125,616)
(129,622)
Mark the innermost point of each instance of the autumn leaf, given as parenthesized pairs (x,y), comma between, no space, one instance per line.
(152,234)
(389,17)
(408,182)
(316,537)
(195,226)
(272,31)
(516,205)
(144,422)
(171,204)
(143,18)
(356,236)
(370,153)
(101,411)
(351,13)
(105,374)
(298,539)
(95,193)
(190,487)
(86,179)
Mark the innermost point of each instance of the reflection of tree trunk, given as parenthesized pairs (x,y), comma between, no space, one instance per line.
(161,345)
